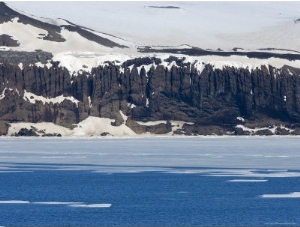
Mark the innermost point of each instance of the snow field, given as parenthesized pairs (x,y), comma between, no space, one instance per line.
(208,25)
(30,39)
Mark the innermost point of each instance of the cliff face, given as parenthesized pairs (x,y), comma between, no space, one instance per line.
(144,90)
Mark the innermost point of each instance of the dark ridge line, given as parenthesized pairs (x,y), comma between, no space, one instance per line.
(92,37)
(278,49)
(201,52)
(83,27)
(164,7)
(16,57)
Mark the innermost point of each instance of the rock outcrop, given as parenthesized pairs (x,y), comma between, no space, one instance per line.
(8,41)
(213,100)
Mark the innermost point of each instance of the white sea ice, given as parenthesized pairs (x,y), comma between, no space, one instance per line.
(242,158)
(100,205)
(284,196)
(57,203)
(13,202)
(248,180)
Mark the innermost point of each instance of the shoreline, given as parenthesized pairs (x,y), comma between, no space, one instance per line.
(151,137)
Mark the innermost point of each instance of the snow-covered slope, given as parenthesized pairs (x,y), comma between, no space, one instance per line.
(248,26)
(208,25)
(240,26)
(53,35)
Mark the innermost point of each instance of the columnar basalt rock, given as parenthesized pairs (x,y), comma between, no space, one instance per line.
(145,90)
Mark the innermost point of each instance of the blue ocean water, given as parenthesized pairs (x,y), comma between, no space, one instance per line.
(150,182)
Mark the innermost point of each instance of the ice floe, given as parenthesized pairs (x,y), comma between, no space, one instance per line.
(14,202)
(70,204)
(100,205)
(248,180)
(283,196)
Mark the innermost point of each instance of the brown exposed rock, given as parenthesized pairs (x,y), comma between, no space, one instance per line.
(3,128)
(160,128)
(282,131)
(51,135)
(8,41)
(26,132)
(296,132)
(104,134)
(26,58)
(241,132)
(204,130)
(263,132)
(212,130)
(137,128)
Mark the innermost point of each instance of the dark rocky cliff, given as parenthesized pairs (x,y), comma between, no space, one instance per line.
(211,100)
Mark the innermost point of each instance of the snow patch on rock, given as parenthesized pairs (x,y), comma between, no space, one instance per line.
(33,98)
(20,65)
(254,130)
(41,128)
(131,105)
(123,116)
(2,96)
(92,126)
(240,119)
(75,61)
